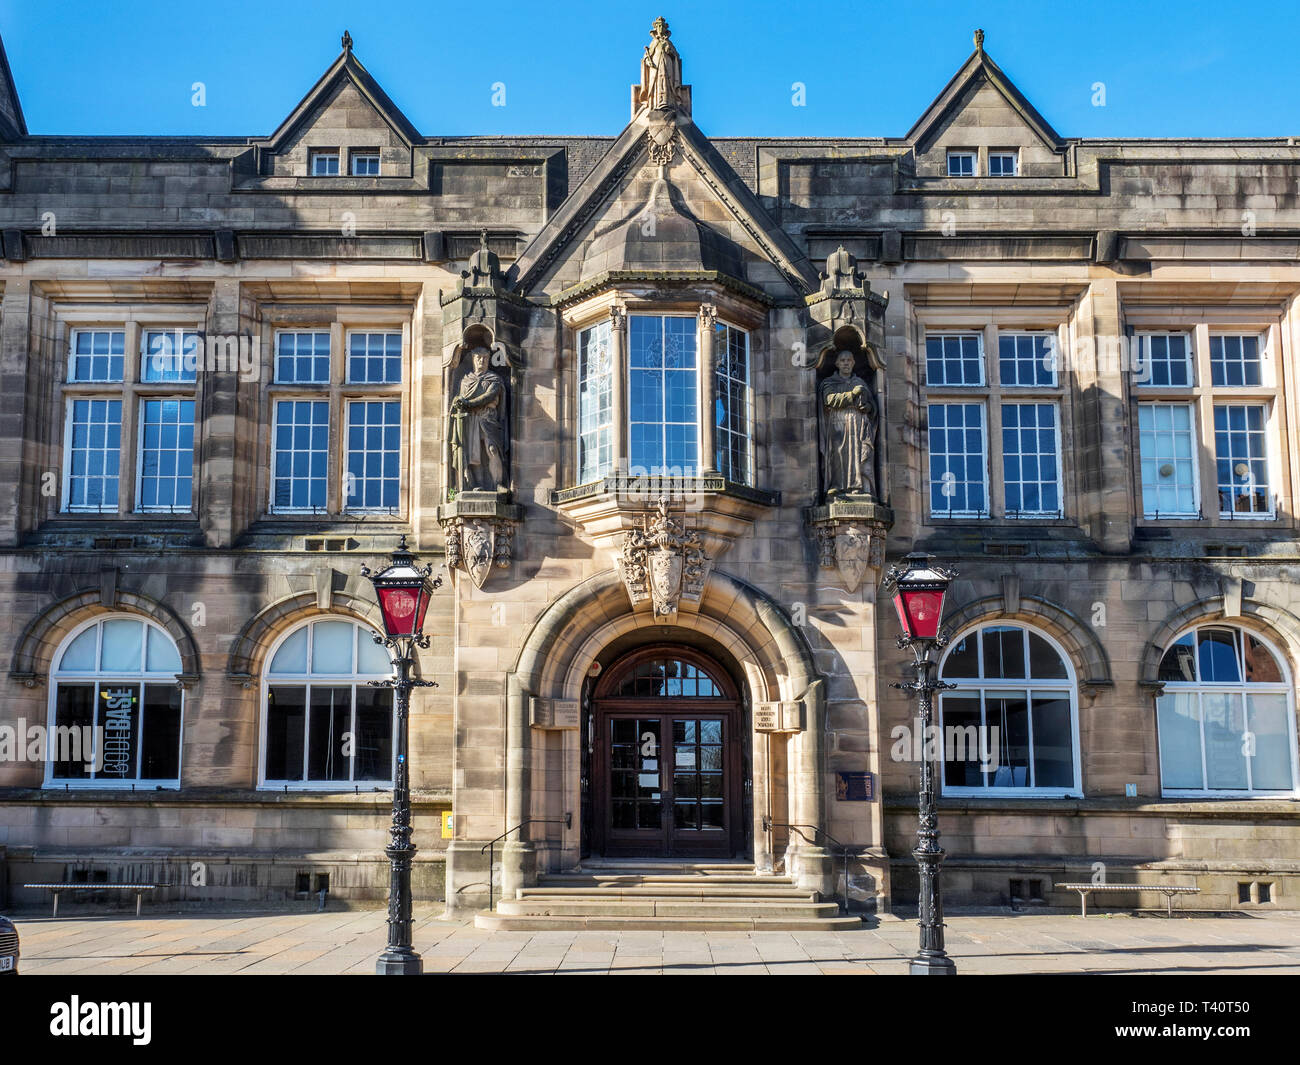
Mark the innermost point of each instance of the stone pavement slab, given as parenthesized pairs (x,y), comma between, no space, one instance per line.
(348,942)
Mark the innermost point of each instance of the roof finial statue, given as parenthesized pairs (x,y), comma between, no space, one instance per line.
(979,40)
(347,43)
(661,69)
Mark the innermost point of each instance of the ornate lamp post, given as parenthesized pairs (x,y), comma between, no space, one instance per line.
(917,590)
(403,591)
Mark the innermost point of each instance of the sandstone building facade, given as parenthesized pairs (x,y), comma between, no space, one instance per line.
(665,406)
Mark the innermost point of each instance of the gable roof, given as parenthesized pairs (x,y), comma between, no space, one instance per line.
(347,67)
(12,123)
(980,66)
(569,223)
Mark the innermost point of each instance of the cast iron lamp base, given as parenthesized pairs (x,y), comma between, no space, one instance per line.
(934,966)
(399,963)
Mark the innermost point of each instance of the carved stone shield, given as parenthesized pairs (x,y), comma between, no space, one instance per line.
(852,554)
(665,579)
(479,548)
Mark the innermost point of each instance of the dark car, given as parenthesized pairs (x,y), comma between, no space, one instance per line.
(8,947)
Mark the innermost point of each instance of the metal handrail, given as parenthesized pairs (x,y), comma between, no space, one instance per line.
(566,821)
(769,824)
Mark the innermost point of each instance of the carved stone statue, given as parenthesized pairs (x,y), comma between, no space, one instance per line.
(850,418)
(661,69)
(479,439)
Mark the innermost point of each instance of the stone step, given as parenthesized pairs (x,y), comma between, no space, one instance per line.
(685,891)
(566,879)
(523,922)
(670,868)
(659,907)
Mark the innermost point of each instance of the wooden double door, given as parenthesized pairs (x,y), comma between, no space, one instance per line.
(666,759)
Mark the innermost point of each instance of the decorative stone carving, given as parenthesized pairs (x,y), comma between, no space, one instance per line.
(663,562)
(480,439)
(476,545)
(851,539)
(661,69)
(484,267)
(850,420)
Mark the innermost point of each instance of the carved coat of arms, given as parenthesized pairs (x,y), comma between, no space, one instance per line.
(663,562)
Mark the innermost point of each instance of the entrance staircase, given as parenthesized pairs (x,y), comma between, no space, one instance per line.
(649,896)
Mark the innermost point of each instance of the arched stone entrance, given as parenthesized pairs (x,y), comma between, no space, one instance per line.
(543,762)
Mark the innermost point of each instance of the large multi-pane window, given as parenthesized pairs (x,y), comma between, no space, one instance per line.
(115,709)
(1206,406)
(994,424)
(733,414)
(658,390)
(1010,724)
(596,431)
(337,417)
(299,477)
(663,380)
(324,726)
(374,454)
(1225,715)
(128,432)
(166,471)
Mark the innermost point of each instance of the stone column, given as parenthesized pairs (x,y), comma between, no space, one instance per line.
(808,861)
(15,329)
(518,855)
(618,345)
(708,458)
(1107,474)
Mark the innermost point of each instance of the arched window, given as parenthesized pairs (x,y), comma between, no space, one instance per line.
(323,725)
(666,677)
(1226,716)
(1011,724)
(114,687)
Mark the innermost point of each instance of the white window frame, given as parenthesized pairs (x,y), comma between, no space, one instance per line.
(276,400)
(316,155)
(1271,465)
(72,356)
(275,358)
(962,153)
(1241,689)
(1031,401)
(749,400)
(966,686)
(65,506)
(97,676)
(667,472)
(940,334)
(355,155)
(141,400)
(1141,336)
(346,426)
(349,333)
(307,680)
(615,431)
(1014,153)
(1036,334)
(1192,421)
(957,401)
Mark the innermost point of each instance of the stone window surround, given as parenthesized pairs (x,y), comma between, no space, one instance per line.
(1200,324)
(620,306)
(339,321)
(135,320)
(1070,684)
(55,676)
(989,322)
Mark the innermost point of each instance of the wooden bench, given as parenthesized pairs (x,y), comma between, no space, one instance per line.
(1167,890)
(58,889)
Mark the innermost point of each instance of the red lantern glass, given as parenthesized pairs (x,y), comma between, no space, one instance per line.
(403,592)
(919,613)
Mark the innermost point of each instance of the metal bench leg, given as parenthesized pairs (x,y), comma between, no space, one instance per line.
(138,896)
(1083,903)
(56,904)
(1169,904)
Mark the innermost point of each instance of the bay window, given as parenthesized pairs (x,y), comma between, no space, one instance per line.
(641,394)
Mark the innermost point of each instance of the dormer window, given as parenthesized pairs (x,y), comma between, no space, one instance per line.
(364,162)
(961,164)
(1004,164)
(323,162)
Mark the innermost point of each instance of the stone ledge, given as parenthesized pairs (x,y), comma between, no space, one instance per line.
(226,798)
(1207,808)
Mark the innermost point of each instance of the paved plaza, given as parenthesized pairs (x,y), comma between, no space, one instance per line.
(348,941)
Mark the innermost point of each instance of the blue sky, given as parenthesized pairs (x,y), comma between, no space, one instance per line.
(870,68)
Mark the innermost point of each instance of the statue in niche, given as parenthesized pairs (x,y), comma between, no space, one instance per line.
(661,69)
(850,418)
(479,441)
